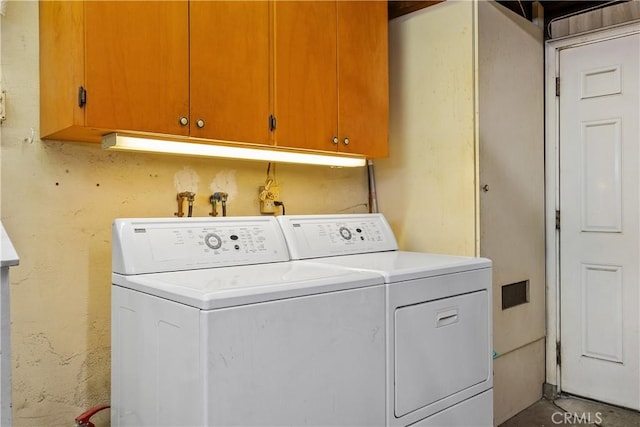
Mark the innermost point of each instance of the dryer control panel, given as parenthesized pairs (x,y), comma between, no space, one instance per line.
(157,245)
(313,236)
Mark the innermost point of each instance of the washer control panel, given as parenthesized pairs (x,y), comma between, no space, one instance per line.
(228,240)
(312,236)
(155,245)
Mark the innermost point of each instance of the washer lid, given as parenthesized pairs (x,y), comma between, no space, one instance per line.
(232,286)
(398,266)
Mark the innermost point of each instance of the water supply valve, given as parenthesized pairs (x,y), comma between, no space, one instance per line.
(218,197)
(190,197)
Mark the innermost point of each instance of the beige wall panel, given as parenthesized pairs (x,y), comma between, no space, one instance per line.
(585,21)
(517,380)
(512,234)
(58,202)
(560,28)
(426,186)
(595,19)
(619,13)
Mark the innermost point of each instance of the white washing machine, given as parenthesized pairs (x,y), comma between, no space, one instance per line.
(439,340)
(212,325)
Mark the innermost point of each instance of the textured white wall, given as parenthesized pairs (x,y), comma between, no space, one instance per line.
(58,202)
(427,185)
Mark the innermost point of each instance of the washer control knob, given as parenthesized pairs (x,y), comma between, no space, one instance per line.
(213,241)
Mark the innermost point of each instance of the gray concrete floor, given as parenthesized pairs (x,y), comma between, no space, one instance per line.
(573,411)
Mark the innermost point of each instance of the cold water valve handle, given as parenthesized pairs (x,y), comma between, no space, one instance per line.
(82,420)
(222,198)
(214,209)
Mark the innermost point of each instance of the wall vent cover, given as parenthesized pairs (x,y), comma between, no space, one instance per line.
(515,294)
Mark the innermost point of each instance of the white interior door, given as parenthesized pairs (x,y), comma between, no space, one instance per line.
(599,235)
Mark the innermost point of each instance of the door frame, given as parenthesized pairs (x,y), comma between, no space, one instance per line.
(552,183)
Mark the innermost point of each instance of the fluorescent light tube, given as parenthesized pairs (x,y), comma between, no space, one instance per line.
(115,141)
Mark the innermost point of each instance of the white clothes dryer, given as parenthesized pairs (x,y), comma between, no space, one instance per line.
(212,325)
(439,339)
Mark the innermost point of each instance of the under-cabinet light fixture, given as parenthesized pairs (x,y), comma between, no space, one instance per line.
(120,142)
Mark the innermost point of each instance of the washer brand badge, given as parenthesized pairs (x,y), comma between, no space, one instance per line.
(296,225)
(139,230)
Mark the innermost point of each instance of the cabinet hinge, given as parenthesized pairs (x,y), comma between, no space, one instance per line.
(558,356)
(557,86)
(82,96)
(557,219)
(272,122)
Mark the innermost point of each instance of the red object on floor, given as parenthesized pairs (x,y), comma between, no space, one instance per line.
(82,420)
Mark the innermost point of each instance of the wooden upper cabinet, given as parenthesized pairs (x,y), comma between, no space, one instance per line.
(230,81)
(305,74)
(62,70)
(363,78)
(161,67)
(331,76)
(135,77)
(218,70)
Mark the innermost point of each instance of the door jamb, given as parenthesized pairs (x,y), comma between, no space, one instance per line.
(552,183)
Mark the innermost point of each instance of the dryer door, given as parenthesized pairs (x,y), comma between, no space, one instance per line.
(441,348)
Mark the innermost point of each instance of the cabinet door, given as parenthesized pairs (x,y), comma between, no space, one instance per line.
(363,76)
(137,65)
(61,67)
(305,74)
(230,70)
